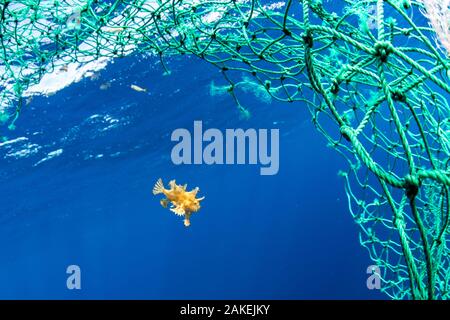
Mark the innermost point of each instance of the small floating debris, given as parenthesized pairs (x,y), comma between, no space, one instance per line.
(74,21)
(105,86)
(137,88)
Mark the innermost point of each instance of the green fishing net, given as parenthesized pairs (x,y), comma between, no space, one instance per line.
(373,75)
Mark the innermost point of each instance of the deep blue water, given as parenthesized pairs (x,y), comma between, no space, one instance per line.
(286,236)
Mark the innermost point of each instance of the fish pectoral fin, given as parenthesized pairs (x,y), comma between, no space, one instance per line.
(178,210)
(164,202)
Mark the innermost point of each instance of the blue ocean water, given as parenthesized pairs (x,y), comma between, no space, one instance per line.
(76,190)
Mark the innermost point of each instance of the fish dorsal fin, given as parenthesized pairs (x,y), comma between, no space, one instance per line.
(172,183)
(185,186)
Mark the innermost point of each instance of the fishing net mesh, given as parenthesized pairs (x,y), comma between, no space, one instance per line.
(374,80)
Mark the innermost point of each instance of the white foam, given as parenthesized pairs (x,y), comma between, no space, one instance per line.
(50,156)
(2,144)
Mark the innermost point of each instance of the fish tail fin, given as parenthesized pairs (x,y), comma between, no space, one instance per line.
(159,187)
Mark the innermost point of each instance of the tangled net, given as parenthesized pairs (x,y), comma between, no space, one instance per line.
(374,80)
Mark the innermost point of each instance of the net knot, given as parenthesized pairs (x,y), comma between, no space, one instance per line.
(308,39)
(346,131)
(412,184)
(398,95)
(383,49)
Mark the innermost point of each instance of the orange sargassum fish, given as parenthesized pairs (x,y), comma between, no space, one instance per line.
(182,202)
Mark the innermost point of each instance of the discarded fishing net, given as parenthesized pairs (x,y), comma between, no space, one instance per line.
(373,73)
